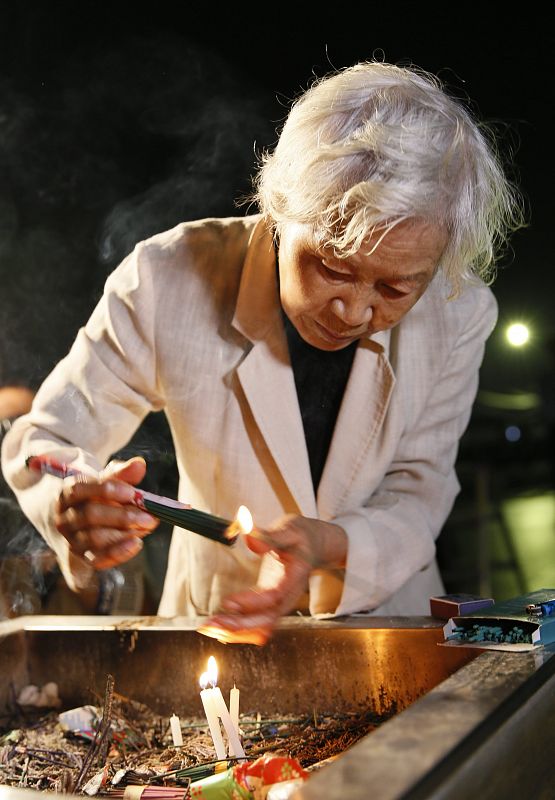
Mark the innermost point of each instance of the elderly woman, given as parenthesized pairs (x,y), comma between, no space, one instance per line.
(317,362)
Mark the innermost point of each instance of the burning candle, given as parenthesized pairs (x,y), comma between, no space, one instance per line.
(206,695)
(175,726)
(216,710)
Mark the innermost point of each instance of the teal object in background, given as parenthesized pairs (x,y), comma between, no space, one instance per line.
(508,625)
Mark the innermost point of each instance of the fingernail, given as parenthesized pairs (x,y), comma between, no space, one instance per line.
(231,605)
(131,545)
(141,518)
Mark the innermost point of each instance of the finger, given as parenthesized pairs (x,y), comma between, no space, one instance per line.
(112,491)
(251,600)
(258,543)
(289,536)
(98,541)
(232,622)
(97,515)
(117,554)
(280,540)
(131,471)
(101,539)
(79,543)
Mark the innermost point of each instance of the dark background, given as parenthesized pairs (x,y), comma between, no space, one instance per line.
(118,120)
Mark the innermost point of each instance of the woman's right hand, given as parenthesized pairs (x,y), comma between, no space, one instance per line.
(99,520)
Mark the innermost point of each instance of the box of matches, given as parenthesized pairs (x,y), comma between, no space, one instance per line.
(457,605)
(521,623)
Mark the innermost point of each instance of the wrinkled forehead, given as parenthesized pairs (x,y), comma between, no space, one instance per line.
(400,239)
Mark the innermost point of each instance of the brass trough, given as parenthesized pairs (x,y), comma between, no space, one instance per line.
(466,723)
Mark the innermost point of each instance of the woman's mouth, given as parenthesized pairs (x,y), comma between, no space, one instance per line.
(336,337)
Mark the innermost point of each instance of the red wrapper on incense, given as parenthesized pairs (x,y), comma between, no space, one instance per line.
(163,508)
(249,780)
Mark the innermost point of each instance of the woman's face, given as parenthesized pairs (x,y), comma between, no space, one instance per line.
(331,301)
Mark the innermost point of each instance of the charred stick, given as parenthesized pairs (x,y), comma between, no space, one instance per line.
(101,742)
(106,724)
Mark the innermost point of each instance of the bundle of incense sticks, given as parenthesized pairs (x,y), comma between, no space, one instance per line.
(141,792)
(168,510)
(199,771)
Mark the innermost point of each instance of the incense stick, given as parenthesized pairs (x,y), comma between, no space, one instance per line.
(163,508)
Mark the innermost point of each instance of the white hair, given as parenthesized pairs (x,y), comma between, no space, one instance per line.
(375,144)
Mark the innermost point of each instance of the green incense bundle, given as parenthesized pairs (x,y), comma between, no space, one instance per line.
(191,519)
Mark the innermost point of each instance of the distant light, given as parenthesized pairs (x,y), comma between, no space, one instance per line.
(513,433)
(517,334)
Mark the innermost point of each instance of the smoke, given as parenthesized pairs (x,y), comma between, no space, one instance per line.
(103,144)
(109,147)
(205,120)
(26,567)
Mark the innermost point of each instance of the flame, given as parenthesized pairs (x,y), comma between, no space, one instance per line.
(244,518)
(241,524)
(210,677)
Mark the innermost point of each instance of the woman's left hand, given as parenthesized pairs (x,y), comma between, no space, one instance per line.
(301,545)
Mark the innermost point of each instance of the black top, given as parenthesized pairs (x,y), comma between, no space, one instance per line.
(320,380)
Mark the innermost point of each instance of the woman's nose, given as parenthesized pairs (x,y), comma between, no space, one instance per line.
(354,311)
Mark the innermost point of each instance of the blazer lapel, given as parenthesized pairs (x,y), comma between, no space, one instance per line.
(265,373)
(360,418)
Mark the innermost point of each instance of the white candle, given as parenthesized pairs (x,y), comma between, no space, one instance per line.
(234,707)
(234,714)
(175,726)
(216,710)
(235,747)
(206,696)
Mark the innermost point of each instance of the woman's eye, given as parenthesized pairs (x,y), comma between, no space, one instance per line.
(392,292)
(334,274)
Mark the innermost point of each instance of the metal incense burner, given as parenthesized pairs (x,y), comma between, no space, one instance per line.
(467,723)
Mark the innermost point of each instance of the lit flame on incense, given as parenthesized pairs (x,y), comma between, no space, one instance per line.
(244,519)
(242,523)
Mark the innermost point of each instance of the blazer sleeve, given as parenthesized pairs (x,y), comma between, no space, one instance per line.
(393,536)
(92,402)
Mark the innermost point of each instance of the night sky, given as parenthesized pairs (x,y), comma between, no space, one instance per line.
(119,120)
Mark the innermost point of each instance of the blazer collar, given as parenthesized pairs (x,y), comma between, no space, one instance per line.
(268,383)
(257,310)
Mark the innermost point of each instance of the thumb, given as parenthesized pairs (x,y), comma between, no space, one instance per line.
(257,544)
(131,471)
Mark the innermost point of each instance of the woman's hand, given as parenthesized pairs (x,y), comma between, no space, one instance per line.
(99,520)
(301,545)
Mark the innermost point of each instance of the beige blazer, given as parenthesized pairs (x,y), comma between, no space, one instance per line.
(190,323)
